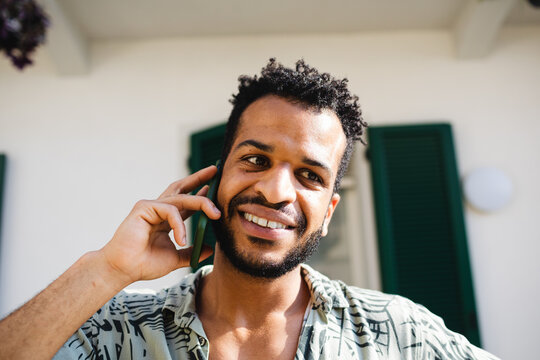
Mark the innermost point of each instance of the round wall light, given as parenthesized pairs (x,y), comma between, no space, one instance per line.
(487,189)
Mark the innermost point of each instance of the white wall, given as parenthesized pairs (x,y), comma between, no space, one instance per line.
(82,150)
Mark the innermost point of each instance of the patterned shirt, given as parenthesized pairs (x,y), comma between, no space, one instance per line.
(342,322)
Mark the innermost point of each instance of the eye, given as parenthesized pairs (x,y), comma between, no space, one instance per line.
(257,160)
(310,176)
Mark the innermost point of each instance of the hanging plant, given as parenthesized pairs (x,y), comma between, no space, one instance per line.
(22,29)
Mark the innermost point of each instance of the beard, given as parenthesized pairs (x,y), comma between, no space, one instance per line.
(257,267)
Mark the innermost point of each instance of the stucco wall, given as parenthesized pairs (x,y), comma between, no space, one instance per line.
(82,150)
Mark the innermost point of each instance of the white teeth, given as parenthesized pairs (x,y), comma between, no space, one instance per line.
(264,222)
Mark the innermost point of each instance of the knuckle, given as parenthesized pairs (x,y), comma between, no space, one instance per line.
(177,187)
(141,203)
(172,208)
(207,203)
(179,201)
(174,188)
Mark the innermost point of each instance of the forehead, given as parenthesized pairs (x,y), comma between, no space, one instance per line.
(293,128)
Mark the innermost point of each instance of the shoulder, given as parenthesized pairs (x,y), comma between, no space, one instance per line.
(339,294)
(376,324)
(382,313)
(362,306)
(129,303)
(138,303)
(395,322)
(135,320)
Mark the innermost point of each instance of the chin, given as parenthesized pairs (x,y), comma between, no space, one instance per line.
(267,266)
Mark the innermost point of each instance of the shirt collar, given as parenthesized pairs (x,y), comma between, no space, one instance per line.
(325,293)
(181,300)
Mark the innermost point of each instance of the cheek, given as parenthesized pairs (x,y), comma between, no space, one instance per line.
(314,209)
(219,198)
(223,193)
(230,186)
(225,183)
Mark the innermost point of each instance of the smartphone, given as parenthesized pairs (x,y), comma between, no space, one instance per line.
(203,220)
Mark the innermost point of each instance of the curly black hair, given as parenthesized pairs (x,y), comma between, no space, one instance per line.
(303,85)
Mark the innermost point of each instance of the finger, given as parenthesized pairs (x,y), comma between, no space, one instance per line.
(191,182)
(176,223)
(206,252)
(184,255)
(156,213)
(187,204)
(184,214)
(180,236)
(202,192)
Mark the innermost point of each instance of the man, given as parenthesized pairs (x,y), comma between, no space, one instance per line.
(288,143)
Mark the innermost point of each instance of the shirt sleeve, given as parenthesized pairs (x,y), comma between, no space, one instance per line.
(79,345)
(438,342)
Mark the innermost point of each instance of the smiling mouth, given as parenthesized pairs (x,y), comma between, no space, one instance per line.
(264,222)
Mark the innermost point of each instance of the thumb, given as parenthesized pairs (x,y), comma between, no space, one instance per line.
(184,255)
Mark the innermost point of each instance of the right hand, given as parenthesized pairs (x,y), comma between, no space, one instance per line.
(141,248)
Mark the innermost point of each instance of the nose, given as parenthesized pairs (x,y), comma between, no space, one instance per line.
(277,185)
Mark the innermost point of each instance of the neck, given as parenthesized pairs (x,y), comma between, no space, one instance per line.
(240,299)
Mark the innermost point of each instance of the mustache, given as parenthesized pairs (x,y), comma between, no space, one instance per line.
(299,218)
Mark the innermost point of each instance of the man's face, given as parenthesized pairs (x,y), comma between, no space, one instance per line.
(276,191)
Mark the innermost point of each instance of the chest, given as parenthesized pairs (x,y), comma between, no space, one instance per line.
(228,347)
(276,340)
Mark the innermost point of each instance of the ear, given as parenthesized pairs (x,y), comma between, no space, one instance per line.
(329,212)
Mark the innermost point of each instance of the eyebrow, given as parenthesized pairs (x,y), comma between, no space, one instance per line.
(318,164)
(269,148)
(257,144)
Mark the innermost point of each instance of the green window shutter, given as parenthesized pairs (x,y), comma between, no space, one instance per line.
(2,179)
(420,226)
(205,147)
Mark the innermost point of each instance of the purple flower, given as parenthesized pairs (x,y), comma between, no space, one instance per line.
(22,29)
